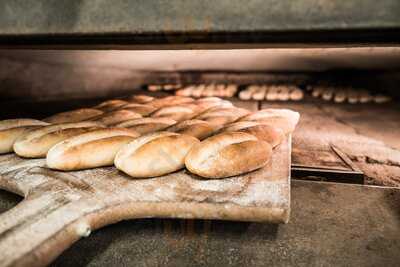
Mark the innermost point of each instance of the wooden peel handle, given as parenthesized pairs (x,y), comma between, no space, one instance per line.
(37,230)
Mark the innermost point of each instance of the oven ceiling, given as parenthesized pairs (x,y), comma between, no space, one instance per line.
(200,23)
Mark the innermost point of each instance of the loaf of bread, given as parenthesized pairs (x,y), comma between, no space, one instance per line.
(140,99)
(36,143)
(118,116)
(197,128)
(11,130)
(263,132)
(228,154)
(177,113)
(147,125)
(77,115)
(170,101)
(96,148)
(221,116)
(142,109)
(284,119)
(154,154)
(110,105)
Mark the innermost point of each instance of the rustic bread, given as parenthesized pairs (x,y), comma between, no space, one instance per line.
(118,116)
(147,125)
(177,113)
(93,149)
(228,154)
(292,116)
(170,101)
(154,154)
(110,105)
(263,132)
(197,128)
(11,130)
(224,111)
(142,109)
(36,143)
(74,115)
(140,99)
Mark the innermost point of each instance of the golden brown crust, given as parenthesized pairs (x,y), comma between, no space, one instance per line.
(36,143)
(76,115)
(147,125)
(142,109)
(110,105)
(154,154)
(228,154)
(197,128)
(170,101)
(89,150)
(116,117)
(177,113)
(140,99)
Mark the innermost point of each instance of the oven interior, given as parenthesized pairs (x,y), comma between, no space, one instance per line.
(345,158)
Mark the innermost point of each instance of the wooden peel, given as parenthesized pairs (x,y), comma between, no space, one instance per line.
(61,207)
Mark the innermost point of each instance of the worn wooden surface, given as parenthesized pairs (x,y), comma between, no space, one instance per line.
(368,134)
(61,207)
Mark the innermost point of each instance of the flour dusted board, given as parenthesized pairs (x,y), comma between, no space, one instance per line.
(61,207)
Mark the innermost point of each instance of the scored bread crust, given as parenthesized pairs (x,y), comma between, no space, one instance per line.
(93,149)
(140,99)
(116,117)
(228,154)
(36,143)
(197,128)
(154,154)
(142,109)
(76,115)
(147,125)
(273,135)
(170,101)
(11,130)
(110,105)
(177,113)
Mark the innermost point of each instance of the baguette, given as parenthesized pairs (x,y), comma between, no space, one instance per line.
(228,154)
(142,109)
(36,143)
(140,99)
(197,128)
(263,132)
(117,116)
(147,125)
(11,130)
(262,115)
(170,101)
(74,115)
(221,116)
(110,105)
(177,113)
(154,154)
(93,149)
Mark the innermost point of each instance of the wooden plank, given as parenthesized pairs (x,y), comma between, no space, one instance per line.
(61,207)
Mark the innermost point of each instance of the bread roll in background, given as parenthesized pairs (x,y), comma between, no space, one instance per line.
(140,99)
(196,128)
(147,125)
(110,105)
(36,143)
(221,116)
(228,154)
(118,116)
(154,154)
(142,109)
(77,115)
(96,148)
(11,130)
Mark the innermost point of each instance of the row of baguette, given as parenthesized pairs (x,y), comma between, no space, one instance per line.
(147,137)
